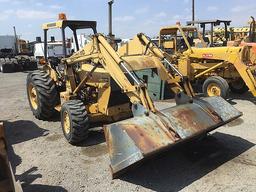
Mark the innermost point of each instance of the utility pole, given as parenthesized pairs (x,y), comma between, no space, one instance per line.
(193,10)
(16,41)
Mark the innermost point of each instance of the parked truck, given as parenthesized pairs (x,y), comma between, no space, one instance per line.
(54,48)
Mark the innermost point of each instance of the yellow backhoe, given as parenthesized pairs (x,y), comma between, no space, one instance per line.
(219,68)
(99,84)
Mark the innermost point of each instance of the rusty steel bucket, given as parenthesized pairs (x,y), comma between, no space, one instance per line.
(132,140)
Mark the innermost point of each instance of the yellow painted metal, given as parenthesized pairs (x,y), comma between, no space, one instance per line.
(33,96)
(185,66)
(53,25)
(208,70)
(213,53)
(103,99)
(66,123)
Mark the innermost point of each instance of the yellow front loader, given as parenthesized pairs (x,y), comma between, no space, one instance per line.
(219,68)
(100,84)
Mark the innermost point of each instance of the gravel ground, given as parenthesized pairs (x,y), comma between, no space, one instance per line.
(43,161)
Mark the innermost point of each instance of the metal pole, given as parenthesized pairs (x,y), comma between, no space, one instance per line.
(212,35)
(16,41)
(193,10)
(173,68)
(64,42)
(76,40)
(110,3)
(45,45)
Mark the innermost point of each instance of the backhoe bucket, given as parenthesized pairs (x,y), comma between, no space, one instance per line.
(135,139)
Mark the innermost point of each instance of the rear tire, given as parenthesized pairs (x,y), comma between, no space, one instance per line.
(42,95)
(74,121)
(216,86)
(238,86)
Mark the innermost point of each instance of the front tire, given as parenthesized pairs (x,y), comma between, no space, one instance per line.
(74,121)
(42,95)
(216,86)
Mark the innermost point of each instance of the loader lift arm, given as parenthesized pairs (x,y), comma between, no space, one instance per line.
(100,51)
(172,77)
(244,69)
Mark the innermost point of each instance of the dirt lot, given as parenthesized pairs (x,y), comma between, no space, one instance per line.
(44,161)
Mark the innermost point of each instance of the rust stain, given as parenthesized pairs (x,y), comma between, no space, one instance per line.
(141,139)
(148,138)
(186,118)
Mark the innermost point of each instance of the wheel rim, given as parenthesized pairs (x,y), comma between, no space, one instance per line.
(66,122)
(33,96)
(213,90)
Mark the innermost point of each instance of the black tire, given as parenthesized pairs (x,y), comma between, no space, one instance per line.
(8,67)
(238,86)
(220,83)
(17,66)
(78,121)
(33,65)
(47,95)
(21,61)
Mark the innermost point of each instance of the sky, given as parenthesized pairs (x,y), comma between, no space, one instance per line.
(129,16)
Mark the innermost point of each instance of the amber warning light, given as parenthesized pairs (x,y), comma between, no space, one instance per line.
(62,16)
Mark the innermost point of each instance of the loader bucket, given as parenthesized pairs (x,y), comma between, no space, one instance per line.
(132,140)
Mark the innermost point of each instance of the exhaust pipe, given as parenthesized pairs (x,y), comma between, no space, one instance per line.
(110,3)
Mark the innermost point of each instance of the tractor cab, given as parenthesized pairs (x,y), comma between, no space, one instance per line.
(54,51)
(213,39)
(177,39)
(63,24)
